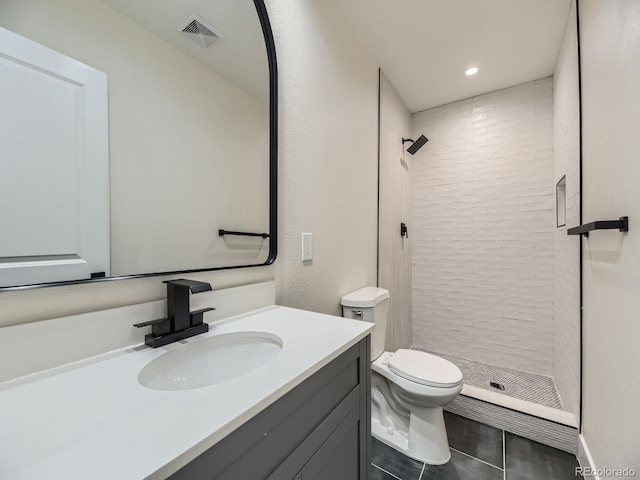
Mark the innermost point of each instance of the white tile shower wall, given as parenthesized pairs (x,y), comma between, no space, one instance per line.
(394,270)
(566,249)
(482,223)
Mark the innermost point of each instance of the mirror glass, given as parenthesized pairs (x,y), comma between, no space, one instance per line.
(186,135)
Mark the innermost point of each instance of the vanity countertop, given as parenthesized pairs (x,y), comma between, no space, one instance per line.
(92,419)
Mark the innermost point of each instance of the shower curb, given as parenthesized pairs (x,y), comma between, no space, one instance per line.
(534,428)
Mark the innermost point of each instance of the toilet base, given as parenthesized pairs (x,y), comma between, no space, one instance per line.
(423,437)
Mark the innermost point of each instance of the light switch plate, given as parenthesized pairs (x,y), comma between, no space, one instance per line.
(307,246)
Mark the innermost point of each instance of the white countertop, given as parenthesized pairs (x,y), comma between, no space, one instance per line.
(93,420)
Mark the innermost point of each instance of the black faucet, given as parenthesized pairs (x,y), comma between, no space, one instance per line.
(181,323)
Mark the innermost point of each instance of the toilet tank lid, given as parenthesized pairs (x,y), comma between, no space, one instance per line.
(365,297)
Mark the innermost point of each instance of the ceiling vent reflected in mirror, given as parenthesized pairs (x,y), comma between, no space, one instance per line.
(200,31)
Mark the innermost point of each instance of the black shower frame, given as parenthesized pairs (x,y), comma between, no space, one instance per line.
(580,419)
(263,16)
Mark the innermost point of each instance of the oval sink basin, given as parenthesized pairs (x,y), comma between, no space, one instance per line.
(211,360)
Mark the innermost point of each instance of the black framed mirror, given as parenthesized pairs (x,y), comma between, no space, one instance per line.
(189,91)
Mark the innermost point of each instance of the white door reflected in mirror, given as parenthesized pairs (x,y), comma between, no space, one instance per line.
(54,165)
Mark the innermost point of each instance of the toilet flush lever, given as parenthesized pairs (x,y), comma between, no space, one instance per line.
(357,313)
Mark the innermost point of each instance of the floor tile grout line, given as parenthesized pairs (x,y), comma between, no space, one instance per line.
(424,465)
(475,458)
(388,473)
(504,454)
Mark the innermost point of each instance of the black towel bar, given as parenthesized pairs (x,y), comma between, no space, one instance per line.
(622,225)
(222,233)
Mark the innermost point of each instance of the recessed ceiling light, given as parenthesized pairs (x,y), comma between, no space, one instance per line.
(471,71)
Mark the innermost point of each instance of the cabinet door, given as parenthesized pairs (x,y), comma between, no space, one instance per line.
(338,458)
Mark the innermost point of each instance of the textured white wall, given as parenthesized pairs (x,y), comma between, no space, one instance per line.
(566,249)
(394,272)
(328,155)
(610,47)
(482,222)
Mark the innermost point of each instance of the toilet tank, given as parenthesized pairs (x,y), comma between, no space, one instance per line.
(370,304)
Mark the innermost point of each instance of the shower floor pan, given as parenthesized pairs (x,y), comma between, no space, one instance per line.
(524,392)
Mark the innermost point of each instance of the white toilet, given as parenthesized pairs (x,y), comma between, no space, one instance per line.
(408,387)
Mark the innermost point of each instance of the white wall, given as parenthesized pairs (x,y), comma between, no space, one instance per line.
(566,249)
(482,222)
(394,272)
(328,155)
(610,47)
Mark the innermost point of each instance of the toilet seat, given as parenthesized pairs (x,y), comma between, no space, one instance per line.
(424,368)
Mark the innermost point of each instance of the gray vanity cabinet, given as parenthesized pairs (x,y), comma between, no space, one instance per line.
(320,430)
(338,457)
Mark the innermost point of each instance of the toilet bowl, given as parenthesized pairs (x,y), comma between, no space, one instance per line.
(408,387)
(407,414)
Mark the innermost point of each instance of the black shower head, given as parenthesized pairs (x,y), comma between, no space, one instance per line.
(416,145)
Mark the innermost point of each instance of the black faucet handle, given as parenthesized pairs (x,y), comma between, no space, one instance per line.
(197,316)
(161,326)
(193,285)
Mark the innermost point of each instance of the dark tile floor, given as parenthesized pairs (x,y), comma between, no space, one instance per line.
(478,452)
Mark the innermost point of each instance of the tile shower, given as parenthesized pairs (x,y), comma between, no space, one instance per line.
(482,216)
(492,274)
(488,277)
(495,278)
